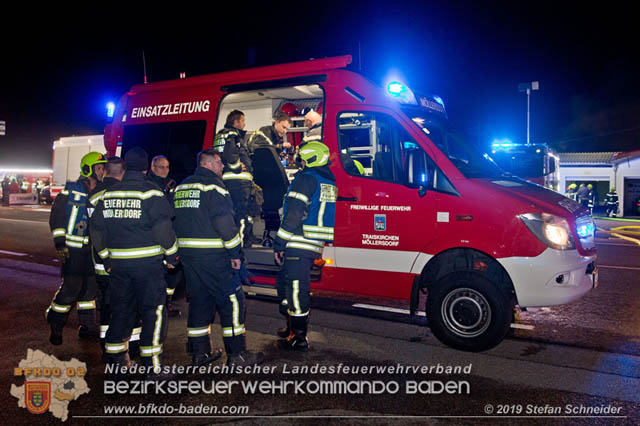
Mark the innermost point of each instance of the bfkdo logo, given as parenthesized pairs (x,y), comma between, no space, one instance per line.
(37,396)
(49,383)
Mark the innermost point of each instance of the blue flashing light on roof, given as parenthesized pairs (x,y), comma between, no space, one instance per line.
(502,143)
(111,109)
(395,88)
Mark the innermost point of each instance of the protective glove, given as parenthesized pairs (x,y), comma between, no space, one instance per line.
(62,254)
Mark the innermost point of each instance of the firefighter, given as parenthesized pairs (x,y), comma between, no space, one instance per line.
(611,203)
(38,186)
(572,191)
(582,195)
(209,242)
(159,174)
(69,223)
(237,175)
(131,231)
(313,121)
(591,198)
(114,172)
(308,222)
(272,135)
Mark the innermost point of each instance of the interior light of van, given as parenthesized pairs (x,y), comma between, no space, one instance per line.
(111,109)
(551,230)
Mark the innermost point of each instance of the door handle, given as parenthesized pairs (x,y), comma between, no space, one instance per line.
(347,198)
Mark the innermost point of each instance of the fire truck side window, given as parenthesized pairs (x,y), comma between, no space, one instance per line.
(371,145)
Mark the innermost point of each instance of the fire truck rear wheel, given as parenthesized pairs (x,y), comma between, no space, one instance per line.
(467,311)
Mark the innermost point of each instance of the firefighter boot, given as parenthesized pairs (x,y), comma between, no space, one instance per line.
(297,339)
(284,331)
(88,328)
(206,358)
(118,366)
(172,310)
(245,358)
(238,354)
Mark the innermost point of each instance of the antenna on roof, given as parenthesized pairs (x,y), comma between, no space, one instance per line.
(144,66)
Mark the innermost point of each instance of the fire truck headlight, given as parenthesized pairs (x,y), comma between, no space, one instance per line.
(551,230)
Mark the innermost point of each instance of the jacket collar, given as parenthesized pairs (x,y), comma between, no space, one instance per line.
(323,171)
(133,175)
(206,173)
(240,132)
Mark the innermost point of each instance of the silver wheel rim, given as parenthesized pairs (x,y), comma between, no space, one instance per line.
(466,312)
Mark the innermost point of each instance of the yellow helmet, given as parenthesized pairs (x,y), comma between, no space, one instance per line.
(359,166)
(90,160)
(314,154)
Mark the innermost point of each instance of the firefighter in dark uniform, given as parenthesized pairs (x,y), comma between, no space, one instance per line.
(272,135)
(69,224)
(131,230)
(308,222)
(209,243)
(237,175)
(159,174)
(611,202)
(114,172)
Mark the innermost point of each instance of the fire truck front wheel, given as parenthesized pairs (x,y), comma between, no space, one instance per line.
(466,311)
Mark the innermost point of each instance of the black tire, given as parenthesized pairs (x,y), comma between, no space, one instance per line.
(467,311)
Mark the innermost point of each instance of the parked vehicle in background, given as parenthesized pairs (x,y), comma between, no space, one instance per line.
(536,163)
(67,153)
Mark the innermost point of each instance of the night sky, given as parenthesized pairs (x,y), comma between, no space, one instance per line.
(59,70)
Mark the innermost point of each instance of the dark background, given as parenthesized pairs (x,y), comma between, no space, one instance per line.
(60,67)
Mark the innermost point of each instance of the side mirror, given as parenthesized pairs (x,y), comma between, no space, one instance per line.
(419,174)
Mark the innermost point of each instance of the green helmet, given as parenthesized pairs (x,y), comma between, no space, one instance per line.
(315,154)
(90,160)
(590,186)
(613,189)
(573,186)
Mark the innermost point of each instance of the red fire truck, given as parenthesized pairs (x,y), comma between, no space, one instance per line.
(537,163)
(426,214)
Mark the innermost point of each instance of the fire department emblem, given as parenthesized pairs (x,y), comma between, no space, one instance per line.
(37,396)
(380,222)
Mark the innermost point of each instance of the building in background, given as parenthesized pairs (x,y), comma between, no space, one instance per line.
(605,170)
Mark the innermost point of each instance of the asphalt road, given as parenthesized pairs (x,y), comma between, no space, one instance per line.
(581,354)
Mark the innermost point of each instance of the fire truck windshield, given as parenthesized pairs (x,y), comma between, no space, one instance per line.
(470,161)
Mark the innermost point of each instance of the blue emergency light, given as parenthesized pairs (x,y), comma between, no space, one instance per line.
(395,88)
(111,109)
(504,143)
(585,230)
